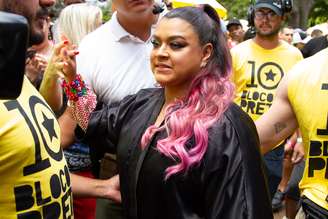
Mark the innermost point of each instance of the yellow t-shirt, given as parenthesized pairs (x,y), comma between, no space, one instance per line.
(257,73)
(308,95)
(35,181)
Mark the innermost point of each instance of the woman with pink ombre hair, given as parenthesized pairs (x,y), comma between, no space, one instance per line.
(184,150)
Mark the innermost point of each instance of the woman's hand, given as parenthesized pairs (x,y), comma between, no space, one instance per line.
(62,62)
(35,67)
(113,189)
(67,54)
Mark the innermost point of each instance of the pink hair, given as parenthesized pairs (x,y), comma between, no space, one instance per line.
(210,94)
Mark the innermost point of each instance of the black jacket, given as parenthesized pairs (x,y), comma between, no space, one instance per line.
(228,184)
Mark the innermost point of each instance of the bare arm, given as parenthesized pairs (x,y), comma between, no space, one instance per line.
(279,122)
(67,127)
(50,87)
(98,188)
(82,101)
(51,90)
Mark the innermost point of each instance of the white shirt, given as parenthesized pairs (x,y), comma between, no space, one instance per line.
(114,63)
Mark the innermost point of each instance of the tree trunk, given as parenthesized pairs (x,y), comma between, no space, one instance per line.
(300,13)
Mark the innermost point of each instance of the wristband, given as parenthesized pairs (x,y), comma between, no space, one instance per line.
(75,88)
(299,140)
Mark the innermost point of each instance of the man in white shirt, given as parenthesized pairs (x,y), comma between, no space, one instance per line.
(114,61)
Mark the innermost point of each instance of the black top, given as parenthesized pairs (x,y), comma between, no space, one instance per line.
(228,184)
(315,45)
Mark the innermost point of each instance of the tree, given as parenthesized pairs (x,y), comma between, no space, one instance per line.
(305,13)
(318,13)
(300,14)
(105,7)
(236,9)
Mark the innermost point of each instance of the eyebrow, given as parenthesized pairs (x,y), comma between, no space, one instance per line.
(174,37)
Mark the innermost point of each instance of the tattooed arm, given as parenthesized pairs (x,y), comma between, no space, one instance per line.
(279,122)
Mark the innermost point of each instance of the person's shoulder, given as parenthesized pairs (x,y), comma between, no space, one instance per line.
(146,94)
(289,51)
(319,58)
(140,99)
(241,46)
(238,118)
(233,135)
(244,129)
(311,63)
(316,40)
(240,52)
(307,72)
(235,120)
(286,46)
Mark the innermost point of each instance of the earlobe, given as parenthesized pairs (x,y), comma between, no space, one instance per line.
(207,52)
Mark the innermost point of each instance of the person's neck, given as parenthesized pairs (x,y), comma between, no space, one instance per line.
(174,93)
(267,42)
(140,27)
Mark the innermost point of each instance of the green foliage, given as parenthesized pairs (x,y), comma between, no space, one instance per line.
(107,12)
(318,13)
(59,5)
(237,9)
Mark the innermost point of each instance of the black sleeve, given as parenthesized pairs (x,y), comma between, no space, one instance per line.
(234,182)
(314,46)
(306,50)
(105,124)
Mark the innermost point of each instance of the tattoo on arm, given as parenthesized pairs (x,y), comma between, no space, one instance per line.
(279,127)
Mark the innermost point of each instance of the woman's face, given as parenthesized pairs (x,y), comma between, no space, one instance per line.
(177,55)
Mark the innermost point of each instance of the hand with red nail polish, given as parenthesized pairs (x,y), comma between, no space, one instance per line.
(62,62)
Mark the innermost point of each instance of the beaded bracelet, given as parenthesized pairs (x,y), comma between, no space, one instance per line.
(75,88)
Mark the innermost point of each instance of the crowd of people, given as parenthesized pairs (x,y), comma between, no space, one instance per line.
(165,113)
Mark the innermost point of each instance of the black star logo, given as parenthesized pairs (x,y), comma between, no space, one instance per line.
(48,124)
(270,75)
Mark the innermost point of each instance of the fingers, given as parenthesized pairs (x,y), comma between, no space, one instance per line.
(297,157)
(58,47)
(63,37)
(114,191)
(69,67)
(28,61)
(38,62)
(65,50)
(63,59)
(68,54)
(115,195)
(294,152)
(41,62)
(40,58)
